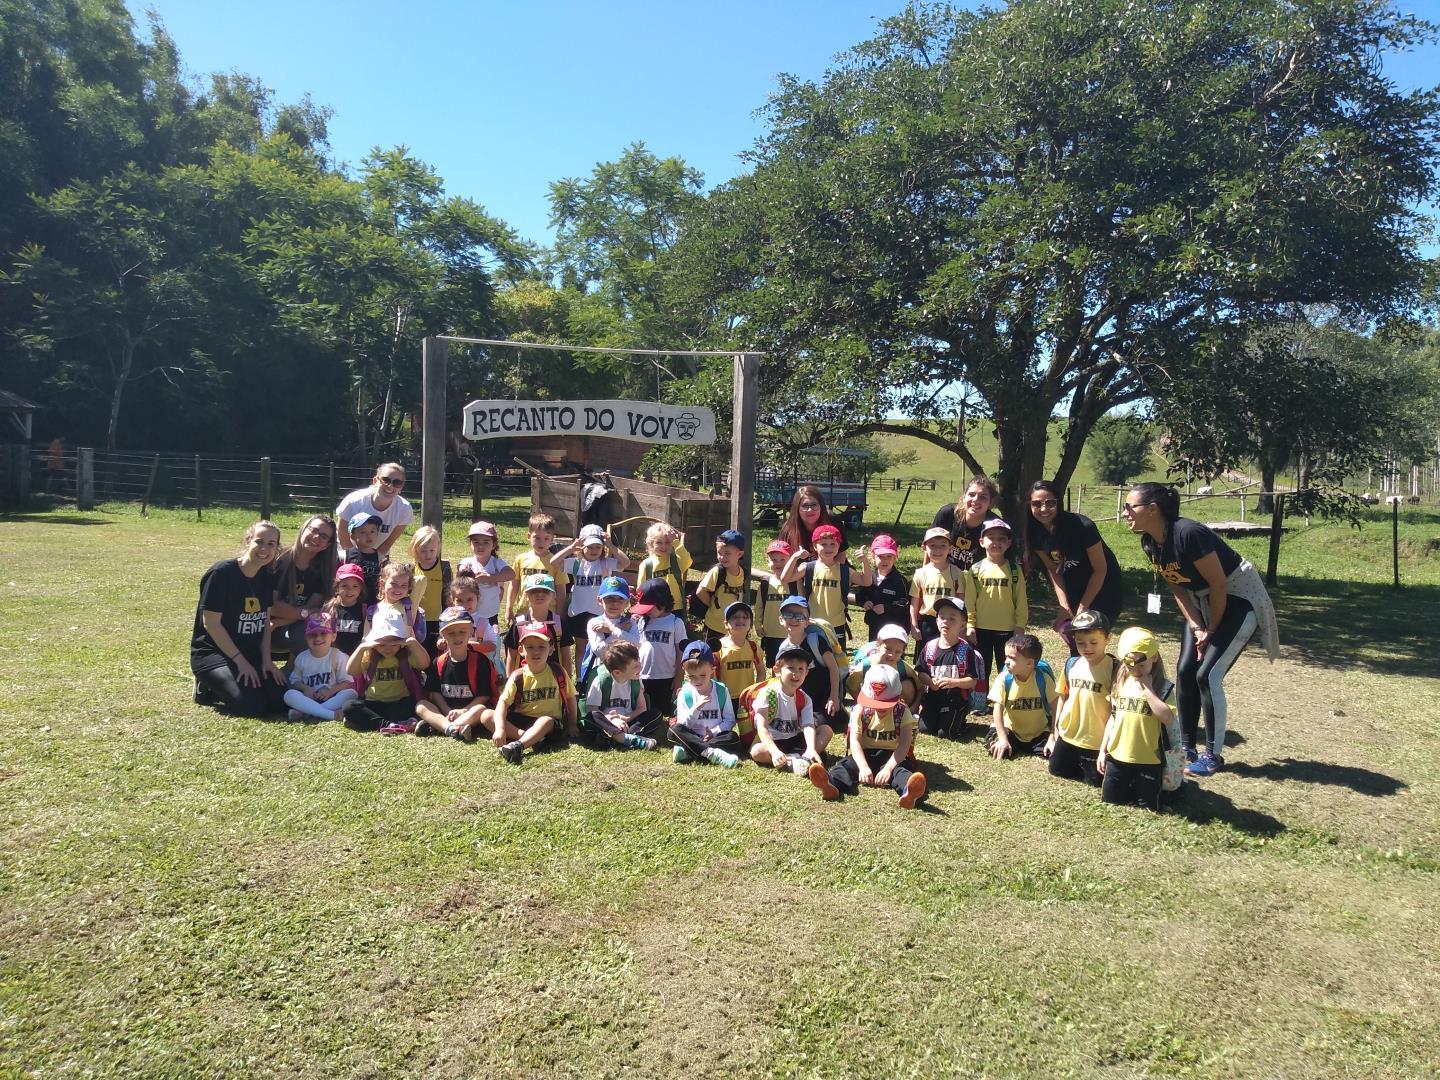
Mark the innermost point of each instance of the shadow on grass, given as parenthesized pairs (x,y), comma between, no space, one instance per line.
(54,519)
(1205,806)
(1301,771)
(939,778)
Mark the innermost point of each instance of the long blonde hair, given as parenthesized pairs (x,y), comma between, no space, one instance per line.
(423,535)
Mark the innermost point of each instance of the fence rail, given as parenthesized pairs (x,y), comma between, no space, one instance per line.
(196,481)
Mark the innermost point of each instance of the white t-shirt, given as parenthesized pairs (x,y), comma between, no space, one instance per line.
(392,519)
(660,640)
(782,715)
(489,605)
(585,579)
(603,631)
(318,672)
(706,716)
(622,704)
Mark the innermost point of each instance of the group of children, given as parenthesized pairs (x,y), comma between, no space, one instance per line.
(407,646)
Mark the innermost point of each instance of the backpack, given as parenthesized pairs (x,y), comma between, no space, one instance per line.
(561,682)
(412,681)
(974,663)
(808,585)
(472,667)
(606,682)
(1042,672)
(830,645)
(698,607)
(745,729)
(1014,579)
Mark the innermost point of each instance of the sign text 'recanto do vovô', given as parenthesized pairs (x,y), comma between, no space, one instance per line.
(638,421)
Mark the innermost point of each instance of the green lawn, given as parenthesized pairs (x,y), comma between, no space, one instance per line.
(187,894)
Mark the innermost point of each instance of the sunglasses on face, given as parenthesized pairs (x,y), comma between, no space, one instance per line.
(391,481)
(1045,504)
(1131,509)
(793,616)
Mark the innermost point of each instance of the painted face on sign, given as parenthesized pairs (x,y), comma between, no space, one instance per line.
(686,424)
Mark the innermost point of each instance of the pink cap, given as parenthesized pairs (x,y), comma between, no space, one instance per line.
(483,528)
(350,570)
(822,532)
(884,544)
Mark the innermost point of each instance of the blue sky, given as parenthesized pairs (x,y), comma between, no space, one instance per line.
(504,98)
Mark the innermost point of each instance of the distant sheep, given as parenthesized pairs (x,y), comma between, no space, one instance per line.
(1369,499)
(1207,489)
(1394,500)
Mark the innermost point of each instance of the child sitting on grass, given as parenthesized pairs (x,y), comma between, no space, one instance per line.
(1086,682)
(667,561)
(787,735)
(704,728)
(1142,726)
(319,684)
(950,671)
(538,703)
(1024,698)
(725,583)
(384,669)
(881,739)
(460,686)
(614,710)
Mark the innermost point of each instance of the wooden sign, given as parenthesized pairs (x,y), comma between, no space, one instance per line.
(636,421)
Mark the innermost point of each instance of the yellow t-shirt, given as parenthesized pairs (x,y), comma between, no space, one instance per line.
(826,600)
(995,596)
(739,666)
(387,684)
(722,595)
(930,583)
(432,600)
(768,617)
(1024,707)
(880,729)
(535,695)
(651,567)
(1088,689)
(1134,731)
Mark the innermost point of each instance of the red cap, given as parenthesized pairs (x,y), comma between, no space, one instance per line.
(778,547)
(822,532)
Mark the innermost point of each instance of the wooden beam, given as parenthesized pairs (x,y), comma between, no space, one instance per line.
(432,445)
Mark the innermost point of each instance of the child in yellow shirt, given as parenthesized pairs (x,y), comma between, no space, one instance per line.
(1023,694)
(995,598)
(1142,725)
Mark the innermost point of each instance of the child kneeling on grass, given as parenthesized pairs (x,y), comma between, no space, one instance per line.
(787,735)
(538,697)
(1024,697)
(704,728)
(881,744)
(319,684)
(460,687)
(384,669)
(614,710)
(1143,726)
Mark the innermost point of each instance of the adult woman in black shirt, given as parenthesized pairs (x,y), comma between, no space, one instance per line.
(230,641)
(1207,577)
(965,520)
(807,513)
(304,579)
(1081,567)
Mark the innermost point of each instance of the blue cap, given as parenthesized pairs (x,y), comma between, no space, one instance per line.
(698,650)
(360,520)
(733,537)
(795,601)
(614,586)
(738,605)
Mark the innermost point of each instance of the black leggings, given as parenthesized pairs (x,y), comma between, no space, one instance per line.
(697,744)
(373,715)
(1127,784)
(660,695)
(230,695)
(845,774)
(1071,762)
(649,724)
(1200,680)
(991,645)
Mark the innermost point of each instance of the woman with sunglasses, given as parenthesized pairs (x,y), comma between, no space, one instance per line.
(1081,567)
(383,499)
(1224,603)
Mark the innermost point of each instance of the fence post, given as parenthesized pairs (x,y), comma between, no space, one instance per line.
(908,488)
(85,478)
(199,500)
(1119,503)
(334,492)
(1395,540)
(477,493)
(265,488)
(150,486)
(1277,518)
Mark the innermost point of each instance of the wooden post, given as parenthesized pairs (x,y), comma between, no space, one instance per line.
(1277,519)
(432,444)
(1067,498)
(85,478)
(150,487)
(477,493)
(746,410)
(1395,540)
(908,488)
(199,501)
(580,502)
(265,506)
(1119,504)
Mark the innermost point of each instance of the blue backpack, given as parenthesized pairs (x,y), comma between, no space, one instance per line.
(1042,672)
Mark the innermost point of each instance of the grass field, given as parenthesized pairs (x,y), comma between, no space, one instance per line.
(188,894)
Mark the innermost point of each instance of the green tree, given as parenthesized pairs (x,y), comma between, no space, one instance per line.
(1119,449)
(1052,205)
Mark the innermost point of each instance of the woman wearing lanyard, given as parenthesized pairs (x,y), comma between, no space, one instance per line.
(965,521)
(1081,567)
(1223,600)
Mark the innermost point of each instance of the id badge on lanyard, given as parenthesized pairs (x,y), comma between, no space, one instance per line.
(1152,599)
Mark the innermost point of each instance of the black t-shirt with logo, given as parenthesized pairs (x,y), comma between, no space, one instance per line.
(965,549)
(893,592)
(451,680)
(369,563)
(349,626)
(1186,543)
(1069,546)
(243,604)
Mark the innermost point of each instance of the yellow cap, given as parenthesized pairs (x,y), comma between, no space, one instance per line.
(1137,639)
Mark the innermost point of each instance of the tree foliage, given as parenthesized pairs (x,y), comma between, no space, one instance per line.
(1119,449)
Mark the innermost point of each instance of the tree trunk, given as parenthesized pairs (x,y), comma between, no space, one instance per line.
(1265,504)
(122,376)
(1022,460)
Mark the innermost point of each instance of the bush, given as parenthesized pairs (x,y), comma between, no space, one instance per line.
(1120,449)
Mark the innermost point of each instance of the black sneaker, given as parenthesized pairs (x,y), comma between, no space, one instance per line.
(512,752)
(202,695)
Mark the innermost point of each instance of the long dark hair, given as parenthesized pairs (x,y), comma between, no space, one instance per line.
(1162,495)
(791,530)
(1036,534)
(324,563)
